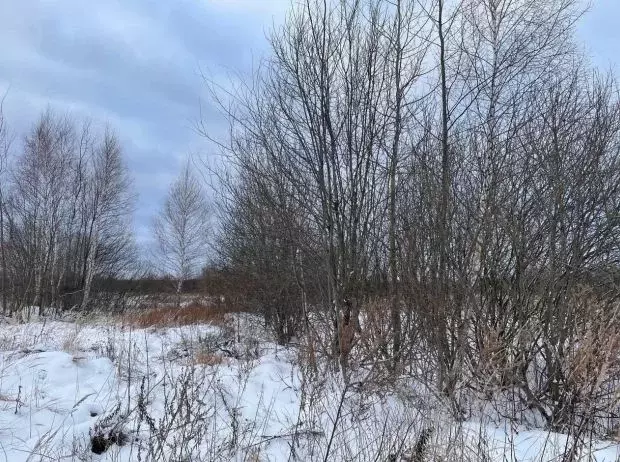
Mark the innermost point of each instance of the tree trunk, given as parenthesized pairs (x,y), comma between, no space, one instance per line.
(90,267)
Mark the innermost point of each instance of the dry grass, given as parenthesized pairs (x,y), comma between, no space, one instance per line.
(70,344)
(167,316)
(7,398)
(205,358)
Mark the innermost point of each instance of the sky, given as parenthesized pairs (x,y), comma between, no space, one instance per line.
(136,65)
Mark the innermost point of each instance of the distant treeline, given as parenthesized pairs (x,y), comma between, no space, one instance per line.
(164,285)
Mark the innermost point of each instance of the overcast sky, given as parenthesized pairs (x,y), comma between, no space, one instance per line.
(135,65)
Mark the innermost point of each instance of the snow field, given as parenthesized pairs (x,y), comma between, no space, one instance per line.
(205,392)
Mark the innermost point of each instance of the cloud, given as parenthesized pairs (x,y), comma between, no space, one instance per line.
(134,64)
(266,7)
(599,31)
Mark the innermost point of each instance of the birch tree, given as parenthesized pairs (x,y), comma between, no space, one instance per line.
(66,214)
(181,229)
(107,199)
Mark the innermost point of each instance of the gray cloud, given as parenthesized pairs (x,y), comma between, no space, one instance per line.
(599,29)
(133,64)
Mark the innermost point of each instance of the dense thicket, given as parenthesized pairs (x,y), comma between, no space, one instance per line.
(65,214)
(442,177)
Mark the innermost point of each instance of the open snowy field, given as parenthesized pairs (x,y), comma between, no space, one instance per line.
(103,390)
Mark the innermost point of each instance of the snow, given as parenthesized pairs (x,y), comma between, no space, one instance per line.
(63,382)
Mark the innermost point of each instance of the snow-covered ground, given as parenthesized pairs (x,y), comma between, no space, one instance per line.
(208,393)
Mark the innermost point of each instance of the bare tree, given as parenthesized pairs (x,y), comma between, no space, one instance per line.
(39,198)
(65,214)
(5,143)
(452,159)
(406,46)
(181,229)
(107,202)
